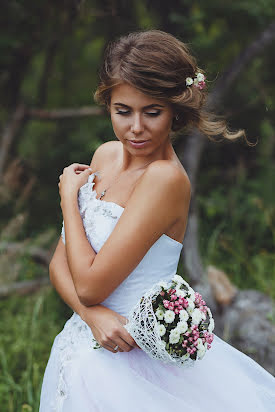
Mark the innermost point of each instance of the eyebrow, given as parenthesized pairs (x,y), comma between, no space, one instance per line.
(145,107)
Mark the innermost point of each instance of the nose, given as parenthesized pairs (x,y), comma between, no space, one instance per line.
(137,124)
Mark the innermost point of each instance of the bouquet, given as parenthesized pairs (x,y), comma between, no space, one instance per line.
(172,323)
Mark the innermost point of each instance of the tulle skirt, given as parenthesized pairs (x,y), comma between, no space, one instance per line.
(79,378)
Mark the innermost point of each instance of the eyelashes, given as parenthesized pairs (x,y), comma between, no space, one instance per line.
(151,114)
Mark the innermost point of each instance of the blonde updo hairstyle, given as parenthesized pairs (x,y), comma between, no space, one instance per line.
(157,64)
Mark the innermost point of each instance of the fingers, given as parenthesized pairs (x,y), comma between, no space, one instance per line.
(119,338)
(128,338)
(77,166)
(111,348)
(123,345)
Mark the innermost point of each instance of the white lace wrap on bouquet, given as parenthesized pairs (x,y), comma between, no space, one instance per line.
(143,327)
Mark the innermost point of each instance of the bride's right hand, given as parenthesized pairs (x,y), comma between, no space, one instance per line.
(107,328)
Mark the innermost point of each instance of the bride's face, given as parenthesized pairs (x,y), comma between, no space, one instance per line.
(139,117)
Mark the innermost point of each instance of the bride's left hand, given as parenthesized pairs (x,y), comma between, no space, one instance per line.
(72,178)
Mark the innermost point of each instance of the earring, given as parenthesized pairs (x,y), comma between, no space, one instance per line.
(177,117)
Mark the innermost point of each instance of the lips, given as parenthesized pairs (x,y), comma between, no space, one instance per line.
(139,143)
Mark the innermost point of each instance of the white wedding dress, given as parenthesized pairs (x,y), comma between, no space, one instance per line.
(79,378)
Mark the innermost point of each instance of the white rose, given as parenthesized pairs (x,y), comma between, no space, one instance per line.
(211,325)
(163,284)
(184,315)
(196,316)
(201,352)
(169,316)
(200,77)
(191,293)
(161,329)
(178,279)
(191,306)
(182,327)
(185,283)
(180,292)
(203,315)
(174,336)
(199,342)
(159,314)
(189,81)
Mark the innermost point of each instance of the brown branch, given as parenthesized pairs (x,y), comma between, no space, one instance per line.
(58,114)
(38,254)
(24,287)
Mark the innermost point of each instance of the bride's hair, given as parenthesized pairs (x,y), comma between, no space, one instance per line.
(157,64)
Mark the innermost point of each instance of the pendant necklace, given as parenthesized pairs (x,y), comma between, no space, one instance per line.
(105,190)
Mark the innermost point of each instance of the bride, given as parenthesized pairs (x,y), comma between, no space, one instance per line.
(125,217)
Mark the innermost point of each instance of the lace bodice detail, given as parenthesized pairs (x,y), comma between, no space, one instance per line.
(160,262)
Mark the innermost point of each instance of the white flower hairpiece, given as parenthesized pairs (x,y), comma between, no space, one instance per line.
(198,81)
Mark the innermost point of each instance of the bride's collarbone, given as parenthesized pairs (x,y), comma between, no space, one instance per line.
(176,231)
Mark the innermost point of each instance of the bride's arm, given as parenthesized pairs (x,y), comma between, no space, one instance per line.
(159,199)
(106,325)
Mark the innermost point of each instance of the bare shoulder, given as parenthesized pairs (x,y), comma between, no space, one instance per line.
(170,178)
(107,151)
(165,188)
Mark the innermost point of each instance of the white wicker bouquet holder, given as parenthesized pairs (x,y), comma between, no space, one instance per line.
(143,327)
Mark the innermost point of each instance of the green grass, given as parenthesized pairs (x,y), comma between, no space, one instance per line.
(27,330)
(237,230)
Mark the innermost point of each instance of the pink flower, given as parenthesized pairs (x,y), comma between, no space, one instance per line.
(201,85)
(174,297)
(162,293)
(185,303)
(176,303)
(180,308)
(176,310)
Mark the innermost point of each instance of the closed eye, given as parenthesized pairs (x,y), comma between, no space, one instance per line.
(147,113)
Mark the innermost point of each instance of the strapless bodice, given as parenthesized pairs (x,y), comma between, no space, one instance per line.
(160,262)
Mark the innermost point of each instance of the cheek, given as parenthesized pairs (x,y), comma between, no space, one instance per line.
(119,125)
(163,124)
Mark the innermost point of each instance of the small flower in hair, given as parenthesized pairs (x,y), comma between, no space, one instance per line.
(200,77)
(189,81)
(198,81)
